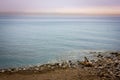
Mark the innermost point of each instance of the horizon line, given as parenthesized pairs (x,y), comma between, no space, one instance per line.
(53,13)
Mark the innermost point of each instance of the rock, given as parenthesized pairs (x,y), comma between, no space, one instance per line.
(64,65)
(86,62)
(52,67)
(13,70)
(118,75)
(23,69)
(60,64)
(41,68)
(37,69)
(115,54)
(56,64)
(2,71)
(72,64)
(99,56)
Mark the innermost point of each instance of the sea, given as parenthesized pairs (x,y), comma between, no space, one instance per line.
(40,39)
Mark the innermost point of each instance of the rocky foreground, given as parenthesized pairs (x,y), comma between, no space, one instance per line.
(105,67)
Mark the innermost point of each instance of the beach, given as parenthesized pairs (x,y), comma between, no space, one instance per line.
(106,66)
(59,47)
(59,40)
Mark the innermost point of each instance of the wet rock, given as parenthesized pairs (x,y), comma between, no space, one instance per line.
(99,56)
(70,64)
(64,65)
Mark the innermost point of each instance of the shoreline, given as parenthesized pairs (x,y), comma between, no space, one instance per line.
(92,56)
(106,66)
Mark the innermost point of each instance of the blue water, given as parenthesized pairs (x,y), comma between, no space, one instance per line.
(30,40)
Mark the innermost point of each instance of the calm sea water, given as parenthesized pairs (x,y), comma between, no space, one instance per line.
(29,40)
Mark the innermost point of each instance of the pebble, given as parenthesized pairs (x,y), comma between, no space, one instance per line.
(2,70)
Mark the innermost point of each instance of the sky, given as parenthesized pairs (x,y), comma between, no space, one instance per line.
(61,6)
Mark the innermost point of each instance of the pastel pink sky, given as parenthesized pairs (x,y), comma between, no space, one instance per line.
(61,6)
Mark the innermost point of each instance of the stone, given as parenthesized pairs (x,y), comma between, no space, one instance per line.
(2,71)
(37,68)
(99,56)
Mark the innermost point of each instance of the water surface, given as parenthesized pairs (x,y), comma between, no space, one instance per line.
(27,40)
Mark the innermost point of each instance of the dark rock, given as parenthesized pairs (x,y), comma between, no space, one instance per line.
(99,56)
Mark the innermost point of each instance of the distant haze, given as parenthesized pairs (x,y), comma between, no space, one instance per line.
(61,6)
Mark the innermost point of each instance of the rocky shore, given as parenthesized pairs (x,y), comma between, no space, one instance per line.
(105,67)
